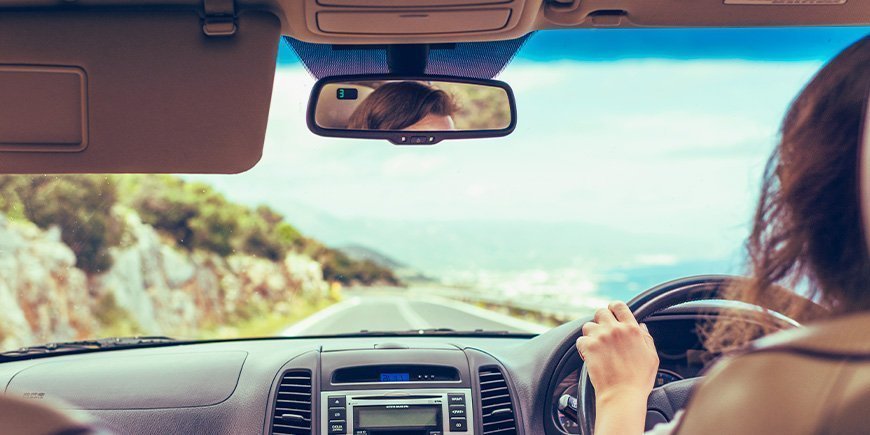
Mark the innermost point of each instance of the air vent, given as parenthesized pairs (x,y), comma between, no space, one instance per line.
(496,407)
(292,414)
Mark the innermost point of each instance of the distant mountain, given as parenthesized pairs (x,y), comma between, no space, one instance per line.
(442,247)
(408,275)
(362,253)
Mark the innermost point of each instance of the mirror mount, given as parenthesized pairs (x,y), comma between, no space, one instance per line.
(407,59)
(466,108)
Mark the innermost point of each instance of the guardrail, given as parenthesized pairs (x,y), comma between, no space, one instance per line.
(539,309)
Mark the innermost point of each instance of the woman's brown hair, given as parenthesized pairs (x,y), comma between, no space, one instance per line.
(399,105)
(807,231)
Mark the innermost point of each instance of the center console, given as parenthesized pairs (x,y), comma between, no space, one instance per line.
(376,412)
(390,392)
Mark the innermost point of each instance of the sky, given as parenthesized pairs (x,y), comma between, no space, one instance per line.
(656,139)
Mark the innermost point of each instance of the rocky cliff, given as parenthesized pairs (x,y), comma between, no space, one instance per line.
(153,286)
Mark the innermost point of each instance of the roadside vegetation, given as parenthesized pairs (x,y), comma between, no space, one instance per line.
(192,214)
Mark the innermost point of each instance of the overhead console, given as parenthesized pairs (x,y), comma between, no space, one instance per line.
(383,21)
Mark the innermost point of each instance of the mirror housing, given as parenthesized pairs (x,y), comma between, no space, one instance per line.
(428,108)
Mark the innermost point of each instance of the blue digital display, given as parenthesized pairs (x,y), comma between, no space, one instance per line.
(395,377)
(346,94)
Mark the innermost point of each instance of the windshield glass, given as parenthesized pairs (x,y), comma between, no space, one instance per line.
(636,159)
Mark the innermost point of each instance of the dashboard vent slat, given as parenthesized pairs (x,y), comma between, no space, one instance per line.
(292,404)
(496,406)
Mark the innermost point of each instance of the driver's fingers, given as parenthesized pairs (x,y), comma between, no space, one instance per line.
(589,328)
(582,344)
(622,313)
(649,337)
(604,316)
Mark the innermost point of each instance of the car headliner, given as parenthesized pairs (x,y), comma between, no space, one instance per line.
(184,86)
(300,18)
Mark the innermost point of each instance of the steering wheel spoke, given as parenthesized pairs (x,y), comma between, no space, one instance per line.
(664,402)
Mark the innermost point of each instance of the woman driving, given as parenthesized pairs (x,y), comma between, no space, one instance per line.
(807,234)
(410,106)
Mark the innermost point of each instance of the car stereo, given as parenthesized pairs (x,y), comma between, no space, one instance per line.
(392,412)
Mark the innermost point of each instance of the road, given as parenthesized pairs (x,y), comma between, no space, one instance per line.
(398,312)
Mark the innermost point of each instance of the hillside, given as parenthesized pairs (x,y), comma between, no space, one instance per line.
(87,256)
(495,245)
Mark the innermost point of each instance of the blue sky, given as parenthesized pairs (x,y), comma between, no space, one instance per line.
(649,135)
(762,44)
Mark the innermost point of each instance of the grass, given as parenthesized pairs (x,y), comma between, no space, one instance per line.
(260,321)
(268,324)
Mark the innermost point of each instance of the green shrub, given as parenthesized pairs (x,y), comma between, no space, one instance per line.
(79,205)
(338,267)
(193,214)
(198,217)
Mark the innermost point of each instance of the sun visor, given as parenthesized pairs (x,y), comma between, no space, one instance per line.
(134,91)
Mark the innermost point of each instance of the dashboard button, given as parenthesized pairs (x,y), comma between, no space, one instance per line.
(336,414)
(336,401)
(456,399)
(458,424)
(337,427)
(457,410)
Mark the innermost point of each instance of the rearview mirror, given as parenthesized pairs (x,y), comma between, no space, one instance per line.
(411,110)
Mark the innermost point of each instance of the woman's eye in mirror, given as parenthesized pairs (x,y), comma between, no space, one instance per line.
(412,105)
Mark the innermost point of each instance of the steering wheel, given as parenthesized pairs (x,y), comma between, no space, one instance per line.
(666,400)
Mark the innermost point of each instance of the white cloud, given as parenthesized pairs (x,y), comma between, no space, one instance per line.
(671,147)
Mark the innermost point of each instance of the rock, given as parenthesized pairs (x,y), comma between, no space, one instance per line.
(154,287)
(43,296)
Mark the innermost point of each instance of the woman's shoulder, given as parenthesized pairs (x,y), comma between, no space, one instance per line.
(847,335)
(791,382)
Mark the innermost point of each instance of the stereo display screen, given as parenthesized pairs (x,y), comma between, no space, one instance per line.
(398,416)
(395,377)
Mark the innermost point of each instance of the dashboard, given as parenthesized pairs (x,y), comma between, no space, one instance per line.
(361,385)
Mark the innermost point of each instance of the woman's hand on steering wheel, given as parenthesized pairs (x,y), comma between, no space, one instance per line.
(621,359)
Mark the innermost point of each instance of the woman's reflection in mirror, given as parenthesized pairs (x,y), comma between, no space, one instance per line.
(411,106)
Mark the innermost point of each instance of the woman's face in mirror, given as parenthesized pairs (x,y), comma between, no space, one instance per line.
(432,122)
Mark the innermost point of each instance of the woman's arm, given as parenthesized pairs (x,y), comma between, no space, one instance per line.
(622,361)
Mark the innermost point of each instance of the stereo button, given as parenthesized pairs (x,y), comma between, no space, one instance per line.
(456,399)
(458,424)
(336,414)
(457,410)
(337,427)
(336,401)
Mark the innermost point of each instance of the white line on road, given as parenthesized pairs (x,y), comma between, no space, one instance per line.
(412,317)
(306,323)
(492,316)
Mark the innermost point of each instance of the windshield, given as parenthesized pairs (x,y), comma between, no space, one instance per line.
(636,159)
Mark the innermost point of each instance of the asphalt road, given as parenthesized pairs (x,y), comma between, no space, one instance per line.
(400,313)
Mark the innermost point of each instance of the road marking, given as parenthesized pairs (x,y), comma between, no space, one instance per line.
(299,328)
(412,317)
(414,320)
(493,316)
